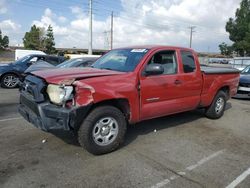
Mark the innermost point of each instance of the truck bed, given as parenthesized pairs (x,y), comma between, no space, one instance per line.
(218,70)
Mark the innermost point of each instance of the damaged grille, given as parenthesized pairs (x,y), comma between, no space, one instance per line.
(34,88)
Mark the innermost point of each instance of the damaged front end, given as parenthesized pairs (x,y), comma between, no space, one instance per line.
(52,106)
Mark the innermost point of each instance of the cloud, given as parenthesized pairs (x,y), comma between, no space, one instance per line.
(11,29)
(169,21)
(147,22)
(62,19)
(78,12)
(9,26)
(3,7)
(74,34)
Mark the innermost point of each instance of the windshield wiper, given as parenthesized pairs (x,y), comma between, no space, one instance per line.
(106,68)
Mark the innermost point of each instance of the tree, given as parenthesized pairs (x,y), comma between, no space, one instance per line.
(1,37)
(225,49)
(34,39)
(49,41)
(37,39)
(239,29)
(4,41)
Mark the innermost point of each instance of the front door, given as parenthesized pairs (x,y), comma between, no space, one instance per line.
(166,93)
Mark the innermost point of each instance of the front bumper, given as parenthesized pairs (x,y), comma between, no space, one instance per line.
(243,91)
(47,116)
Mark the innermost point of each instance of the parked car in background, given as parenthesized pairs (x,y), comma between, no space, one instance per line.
(218,61)
(10,73)
(21,53)
(74,56)
(244,84)
(224,61)
(76,62)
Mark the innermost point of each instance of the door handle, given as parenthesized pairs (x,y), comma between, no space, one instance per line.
(177,82)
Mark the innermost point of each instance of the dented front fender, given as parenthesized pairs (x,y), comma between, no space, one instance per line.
(83,94)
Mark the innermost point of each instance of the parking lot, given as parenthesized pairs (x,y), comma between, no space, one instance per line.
(184,150)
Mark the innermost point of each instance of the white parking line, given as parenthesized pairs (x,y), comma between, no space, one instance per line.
(189,168)
(239,179)
(202,161)
(9,119)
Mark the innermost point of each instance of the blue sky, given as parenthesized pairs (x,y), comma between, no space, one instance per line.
(24,12)
(136,22)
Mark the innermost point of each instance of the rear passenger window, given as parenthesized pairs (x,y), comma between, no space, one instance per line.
(188,61)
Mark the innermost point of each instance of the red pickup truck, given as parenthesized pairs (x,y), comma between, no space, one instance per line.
(124,86)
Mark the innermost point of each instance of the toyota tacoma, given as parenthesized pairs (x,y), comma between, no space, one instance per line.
(124,86)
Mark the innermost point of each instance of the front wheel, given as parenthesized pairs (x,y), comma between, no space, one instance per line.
(9,81)
(103,130)
(217,108)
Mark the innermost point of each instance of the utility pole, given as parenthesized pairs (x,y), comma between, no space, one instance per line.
(106,39)
(191,35)
(111,31)
(90,28)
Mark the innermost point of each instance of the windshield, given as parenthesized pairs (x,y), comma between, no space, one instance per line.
(246,70)
(124,60)
(22,60)
(69,63)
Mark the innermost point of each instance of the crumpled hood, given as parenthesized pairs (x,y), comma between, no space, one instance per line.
(245,78)
(57,76)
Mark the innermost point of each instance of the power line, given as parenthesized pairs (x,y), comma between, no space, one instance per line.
(205,27)
(148,25)
(163,26)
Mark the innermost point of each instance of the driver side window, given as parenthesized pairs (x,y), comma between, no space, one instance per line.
(167,59)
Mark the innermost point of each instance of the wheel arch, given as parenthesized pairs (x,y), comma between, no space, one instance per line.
(226,90)
(121,103)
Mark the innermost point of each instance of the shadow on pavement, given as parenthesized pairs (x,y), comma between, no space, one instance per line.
(145,127)
(67,136)
(8,109)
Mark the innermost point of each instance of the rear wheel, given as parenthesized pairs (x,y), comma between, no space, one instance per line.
(217,108)
(103,130)
(9,81)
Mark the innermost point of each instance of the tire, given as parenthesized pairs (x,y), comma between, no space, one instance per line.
(217,108)
(95,133)
(9,81)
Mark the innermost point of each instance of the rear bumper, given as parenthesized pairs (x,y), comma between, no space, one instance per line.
(47,116)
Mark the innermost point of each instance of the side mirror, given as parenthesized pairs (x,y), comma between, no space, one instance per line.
(154,69)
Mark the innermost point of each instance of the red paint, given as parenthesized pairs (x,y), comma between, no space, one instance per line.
(195,90)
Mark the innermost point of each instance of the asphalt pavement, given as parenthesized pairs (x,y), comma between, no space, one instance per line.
(183,150)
